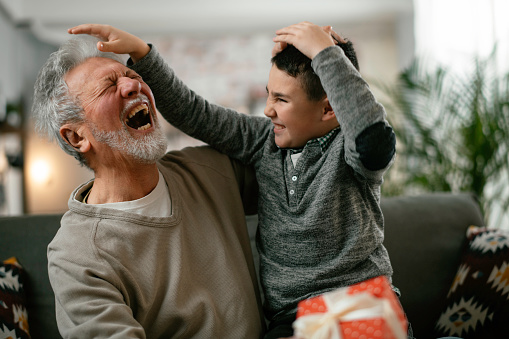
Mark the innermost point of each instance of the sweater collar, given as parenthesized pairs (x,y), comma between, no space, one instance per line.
(323,141)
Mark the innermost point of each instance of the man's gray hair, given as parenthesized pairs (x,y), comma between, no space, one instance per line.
(53,105)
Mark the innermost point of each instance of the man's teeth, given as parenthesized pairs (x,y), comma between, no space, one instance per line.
(137,109)
(141,109)
(142,128)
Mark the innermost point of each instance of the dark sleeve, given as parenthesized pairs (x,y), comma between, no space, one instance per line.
(248,186)
(376,146)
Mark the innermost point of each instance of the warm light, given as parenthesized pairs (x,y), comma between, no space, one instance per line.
(40,172)
(3,162)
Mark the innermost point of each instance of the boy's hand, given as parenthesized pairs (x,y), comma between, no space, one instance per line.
(279,46)
(308,38)
(114,40)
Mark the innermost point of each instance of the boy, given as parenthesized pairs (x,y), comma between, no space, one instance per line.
(319,161)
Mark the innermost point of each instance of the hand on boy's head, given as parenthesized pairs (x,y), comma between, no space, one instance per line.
(114,40)
(278,47)
(310,39)
(337,38)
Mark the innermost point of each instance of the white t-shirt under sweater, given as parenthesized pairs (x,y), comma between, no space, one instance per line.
(157,203)
(118,274)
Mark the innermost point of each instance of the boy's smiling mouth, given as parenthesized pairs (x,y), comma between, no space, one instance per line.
(278,126)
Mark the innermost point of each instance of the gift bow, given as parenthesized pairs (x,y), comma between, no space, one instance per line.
(344,307)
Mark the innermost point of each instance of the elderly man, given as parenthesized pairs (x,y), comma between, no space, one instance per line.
(156,245)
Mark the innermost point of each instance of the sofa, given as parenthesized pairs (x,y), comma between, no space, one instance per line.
(425,235)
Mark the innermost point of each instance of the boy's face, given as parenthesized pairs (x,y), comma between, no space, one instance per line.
(296,119)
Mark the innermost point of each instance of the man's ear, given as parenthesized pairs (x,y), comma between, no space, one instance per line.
(75,137)
(328,112)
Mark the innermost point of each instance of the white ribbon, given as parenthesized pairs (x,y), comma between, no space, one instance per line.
(344,307)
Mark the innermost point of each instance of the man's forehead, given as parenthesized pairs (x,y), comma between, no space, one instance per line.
(92,69)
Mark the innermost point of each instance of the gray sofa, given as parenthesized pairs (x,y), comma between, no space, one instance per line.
(424,237)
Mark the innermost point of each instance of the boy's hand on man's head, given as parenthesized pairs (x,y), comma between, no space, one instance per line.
(300,33)
(114,40)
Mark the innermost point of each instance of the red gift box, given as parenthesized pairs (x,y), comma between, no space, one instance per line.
(369,309)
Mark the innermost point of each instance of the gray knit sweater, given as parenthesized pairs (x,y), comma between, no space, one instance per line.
(320,223)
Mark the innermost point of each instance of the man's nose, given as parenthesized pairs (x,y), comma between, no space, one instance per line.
(129,87)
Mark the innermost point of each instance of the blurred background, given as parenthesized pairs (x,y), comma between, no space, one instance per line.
(439,67)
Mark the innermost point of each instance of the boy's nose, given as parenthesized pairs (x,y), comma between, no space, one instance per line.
(269,111)
(129,87)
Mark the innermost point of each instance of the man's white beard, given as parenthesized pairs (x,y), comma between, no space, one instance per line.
(147,149)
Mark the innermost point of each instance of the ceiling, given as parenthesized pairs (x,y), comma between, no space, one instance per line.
(49,19)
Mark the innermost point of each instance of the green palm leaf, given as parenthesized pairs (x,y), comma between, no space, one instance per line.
(452,131)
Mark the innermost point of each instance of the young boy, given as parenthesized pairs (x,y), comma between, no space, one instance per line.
(319,161)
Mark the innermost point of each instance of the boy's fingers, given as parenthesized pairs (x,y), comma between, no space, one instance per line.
(107,46)
(278,47)
(82,29)
(99,31)
(289,30)
(327,29)
(103,46)
(337,37)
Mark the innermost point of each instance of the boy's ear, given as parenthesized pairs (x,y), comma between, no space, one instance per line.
(328,112)
(75,137)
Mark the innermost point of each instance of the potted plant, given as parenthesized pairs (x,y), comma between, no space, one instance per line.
(452,132)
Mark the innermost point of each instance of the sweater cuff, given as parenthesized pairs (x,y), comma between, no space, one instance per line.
(130,63)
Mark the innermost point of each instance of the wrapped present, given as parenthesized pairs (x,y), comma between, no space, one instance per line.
(369,309)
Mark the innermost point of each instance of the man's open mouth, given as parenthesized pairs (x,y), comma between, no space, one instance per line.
(139,118)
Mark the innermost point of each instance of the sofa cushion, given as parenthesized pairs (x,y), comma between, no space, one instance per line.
(477,302)
(27,238)
(424,235)
(13,311)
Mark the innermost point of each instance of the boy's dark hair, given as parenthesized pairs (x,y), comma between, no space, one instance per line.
(294,63)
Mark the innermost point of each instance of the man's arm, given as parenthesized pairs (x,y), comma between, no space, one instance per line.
(88,305)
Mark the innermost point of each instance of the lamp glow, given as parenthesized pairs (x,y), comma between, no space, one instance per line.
(40,172)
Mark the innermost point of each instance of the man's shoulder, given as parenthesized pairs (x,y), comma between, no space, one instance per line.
(204,155)
(200,156)
(203,161)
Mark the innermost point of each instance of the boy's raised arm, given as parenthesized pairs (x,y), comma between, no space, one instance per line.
(114,40)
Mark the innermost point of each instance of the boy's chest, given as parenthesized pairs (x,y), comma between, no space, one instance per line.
(286,182)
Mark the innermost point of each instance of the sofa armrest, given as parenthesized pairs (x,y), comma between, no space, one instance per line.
(424,236)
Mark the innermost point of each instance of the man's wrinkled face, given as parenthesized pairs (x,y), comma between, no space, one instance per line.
(119,108)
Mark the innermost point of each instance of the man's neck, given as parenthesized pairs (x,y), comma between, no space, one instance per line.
(116,184)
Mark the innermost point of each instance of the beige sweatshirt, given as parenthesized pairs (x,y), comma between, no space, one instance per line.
(191,275)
